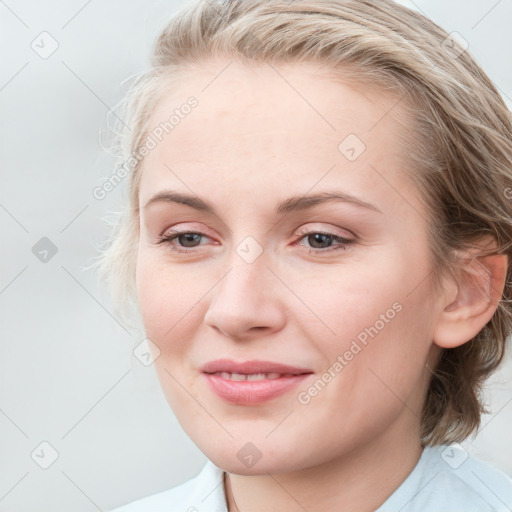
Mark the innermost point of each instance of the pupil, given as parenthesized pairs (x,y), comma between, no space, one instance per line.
(319,237)
(188,237)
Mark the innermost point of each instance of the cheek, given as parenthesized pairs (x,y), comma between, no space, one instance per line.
(368,379)
(344,301)
(383,349)
(169,300)
(374,316)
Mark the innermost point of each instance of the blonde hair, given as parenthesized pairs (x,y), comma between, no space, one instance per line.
(459,148)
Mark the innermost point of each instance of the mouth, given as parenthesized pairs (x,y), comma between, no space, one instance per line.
(253,367)
(251,376)
(251,382)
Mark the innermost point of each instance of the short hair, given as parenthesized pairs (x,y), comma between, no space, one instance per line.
(459,147)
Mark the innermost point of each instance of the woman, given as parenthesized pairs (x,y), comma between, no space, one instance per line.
(318,241)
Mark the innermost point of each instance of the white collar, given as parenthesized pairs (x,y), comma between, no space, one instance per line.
(207,492)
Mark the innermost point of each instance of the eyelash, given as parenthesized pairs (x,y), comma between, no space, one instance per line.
(344,242)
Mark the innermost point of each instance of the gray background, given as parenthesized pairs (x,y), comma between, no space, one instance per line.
(68,375)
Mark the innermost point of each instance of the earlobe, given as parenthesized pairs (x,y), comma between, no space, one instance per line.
(472,300)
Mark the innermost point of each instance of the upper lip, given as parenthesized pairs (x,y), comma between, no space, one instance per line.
(250,367)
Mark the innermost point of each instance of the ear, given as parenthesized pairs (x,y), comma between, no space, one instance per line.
(471,298)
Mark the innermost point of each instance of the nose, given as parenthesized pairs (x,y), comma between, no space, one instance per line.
(247,302)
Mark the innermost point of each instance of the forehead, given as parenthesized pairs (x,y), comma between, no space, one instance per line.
(268,127)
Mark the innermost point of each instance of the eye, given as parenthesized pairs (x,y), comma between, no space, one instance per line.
(321,242)
(185,237)
(324,241)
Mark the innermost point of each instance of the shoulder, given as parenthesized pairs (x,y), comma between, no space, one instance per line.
(447,477)
(484,486)
(202,493)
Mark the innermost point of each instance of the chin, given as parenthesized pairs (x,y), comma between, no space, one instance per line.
(238,459)
(233,465)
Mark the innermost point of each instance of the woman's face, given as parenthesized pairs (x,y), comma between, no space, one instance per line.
(262,276)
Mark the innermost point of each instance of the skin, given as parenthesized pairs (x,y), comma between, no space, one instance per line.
(259,135)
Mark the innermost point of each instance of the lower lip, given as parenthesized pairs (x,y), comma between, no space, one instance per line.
(252,392)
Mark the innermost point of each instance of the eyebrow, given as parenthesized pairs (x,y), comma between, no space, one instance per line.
(291,204)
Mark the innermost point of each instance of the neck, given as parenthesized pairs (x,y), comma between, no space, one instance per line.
(358,481)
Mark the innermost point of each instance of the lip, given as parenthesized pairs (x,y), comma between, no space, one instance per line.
(249,367)
(252,392)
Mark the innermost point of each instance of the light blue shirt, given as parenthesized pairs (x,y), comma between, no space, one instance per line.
(445,479)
